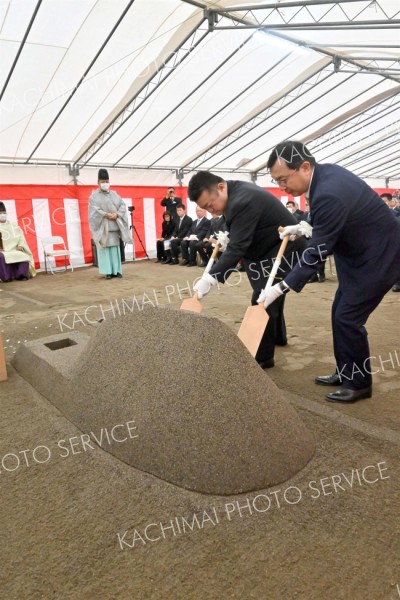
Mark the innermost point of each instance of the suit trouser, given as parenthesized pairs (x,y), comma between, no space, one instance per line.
(350,340)
(189,250)
(175,247)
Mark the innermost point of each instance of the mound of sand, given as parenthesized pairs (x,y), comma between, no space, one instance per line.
(207,417)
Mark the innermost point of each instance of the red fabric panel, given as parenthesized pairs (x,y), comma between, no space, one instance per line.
(23,194)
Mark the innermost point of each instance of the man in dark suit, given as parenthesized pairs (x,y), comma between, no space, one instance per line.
(197,232)
(351,222)
(205,246)
(252,216)
(181,230)
(171,203)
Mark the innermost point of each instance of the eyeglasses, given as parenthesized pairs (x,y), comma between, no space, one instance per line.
(283,180)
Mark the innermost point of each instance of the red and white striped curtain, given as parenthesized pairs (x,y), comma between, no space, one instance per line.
(56,210)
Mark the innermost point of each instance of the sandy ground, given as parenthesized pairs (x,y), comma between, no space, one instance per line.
(74,524)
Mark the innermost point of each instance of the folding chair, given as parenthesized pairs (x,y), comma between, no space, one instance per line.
(55,240)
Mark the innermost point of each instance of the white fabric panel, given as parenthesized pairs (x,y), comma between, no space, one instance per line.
(74,235)
(67,34)
(150,226)
(11,210)
(41,219)
(191,208)
(129,248)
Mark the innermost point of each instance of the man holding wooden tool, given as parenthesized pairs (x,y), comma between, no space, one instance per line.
(363,235)
(252,216)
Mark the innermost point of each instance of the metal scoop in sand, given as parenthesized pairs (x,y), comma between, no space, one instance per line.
(256,318)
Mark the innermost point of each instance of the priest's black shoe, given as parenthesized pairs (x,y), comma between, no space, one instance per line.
(348,396)
(333,379)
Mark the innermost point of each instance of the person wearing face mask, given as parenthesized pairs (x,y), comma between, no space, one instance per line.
(108,222)
(16,260)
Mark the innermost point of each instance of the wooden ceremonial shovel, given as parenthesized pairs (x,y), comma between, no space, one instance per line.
(256,318)
(193,304)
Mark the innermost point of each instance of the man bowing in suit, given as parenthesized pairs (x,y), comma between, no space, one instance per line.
(353,224)
(252,216)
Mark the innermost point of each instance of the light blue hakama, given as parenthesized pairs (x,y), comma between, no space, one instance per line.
(109,260)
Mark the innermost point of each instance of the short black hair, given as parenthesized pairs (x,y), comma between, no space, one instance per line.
(290,202)
(387,195)
(180,205)
(203,180)
(292,152)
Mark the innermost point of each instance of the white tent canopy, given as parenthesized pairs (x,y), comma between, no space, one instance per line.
(158,88)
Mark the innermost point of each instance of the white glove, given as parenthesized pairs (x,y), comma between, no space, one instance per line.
(292,230)
(303,228)
(223,239)
(203,286)
(269,294)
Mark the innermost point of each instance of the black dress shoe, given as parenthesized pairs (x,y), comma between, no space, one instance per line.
(108,277)
(166,261)
(321,278)
(333,379)
(313,278)
(119,275)
(184,263)
(203,263)
(174,261)
(267,364)
(191,264)
(396,288)
(349,396)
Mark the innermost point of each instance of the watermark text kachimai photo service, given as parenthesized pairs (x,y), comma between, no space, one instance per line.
(69,446)
(252,506)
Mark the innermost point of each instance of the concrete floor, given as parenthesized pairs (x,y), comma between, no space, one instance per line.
(61,518)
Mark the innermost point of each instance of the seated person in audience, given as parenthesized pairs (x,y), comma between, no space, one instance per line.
(181,231)
(167,230)
(16,260)
(196,233)
(206,246)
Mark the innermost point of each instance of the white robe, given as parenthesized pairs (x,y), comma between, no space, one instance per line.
(12,236)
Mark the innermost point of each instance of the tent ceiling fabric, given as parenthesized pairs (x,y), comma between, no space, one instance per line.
(172,84)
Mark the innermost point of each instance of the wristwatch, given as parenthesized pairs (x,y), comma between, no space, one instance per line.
(284,287)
